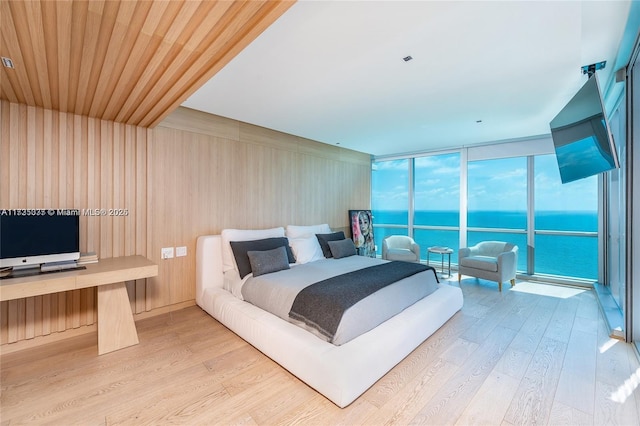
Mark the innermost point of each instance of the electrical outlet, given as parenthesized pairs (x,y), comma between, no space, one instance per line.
(181,251)
(167,252)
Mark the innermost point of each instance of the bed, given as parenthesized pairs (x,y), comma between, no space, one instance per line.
(339,372)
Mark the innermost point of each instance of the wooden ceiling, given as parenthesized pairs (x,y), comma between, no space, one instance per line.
(128,61)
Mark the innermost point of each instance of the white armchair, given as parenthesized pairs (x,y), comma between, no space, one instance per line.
(490,260)
(400,247)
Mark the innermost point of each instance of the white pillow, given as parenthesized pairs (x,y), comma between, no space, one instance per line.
(228,261)
(306,249)
(298,231)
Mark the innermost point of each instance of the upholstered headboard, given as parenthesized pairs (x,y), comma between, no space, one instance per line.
(208,264)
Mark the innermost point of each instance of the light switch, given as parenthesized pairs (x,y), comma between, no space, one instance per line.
(167,252)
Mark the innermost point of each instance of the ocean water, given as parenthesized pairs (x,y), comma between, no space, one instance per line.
(566,256)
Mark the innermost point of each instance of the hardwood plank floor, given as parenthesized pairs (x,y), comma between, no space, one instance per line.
(533,354)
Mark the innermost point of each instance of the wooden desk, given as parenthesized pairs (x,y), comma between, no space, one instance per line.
(116,327)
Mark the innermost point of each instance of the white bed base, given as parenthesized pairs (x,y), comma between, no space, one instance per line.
(340,373)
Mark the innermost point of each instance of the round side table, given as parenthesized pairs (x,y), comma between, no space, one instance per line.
(442,251)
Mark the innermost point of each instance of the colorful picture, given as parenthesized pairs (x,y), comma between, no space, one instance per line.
(362,232)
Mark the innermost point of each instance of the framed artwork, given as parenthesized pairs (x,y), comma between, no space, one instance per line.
(362,232)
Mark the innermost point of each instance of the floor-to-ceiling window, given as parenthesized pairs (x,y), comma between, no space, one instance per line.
(617,208)
(436,218)
(566,223)
(389,199)
(633,200)
(519,199)
(497,203)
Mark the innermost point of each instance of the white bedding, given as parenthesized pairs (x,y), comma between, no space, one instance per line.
(277,291)
(340,373)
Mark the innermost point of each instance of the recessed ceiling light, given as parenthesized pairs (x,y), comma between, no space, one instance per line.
(478,121)
(7,62)
(407,58)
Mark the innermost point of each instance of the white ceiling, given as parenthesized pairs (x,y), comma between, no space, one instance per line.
(333,71)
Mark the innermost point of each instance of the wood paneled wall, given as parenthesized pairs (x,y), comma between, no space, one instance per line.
(50,159)
(208,173)
(194,174)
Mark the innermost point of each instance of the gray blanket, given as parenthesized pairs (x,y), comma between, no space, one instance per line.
(322,305)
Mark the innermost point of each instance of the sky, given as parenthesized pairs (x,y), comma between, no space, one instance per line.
(493,185)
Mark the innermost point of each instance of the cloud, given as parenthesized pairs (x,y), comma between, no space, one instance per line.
(428,182)
(391,165)
(510,174)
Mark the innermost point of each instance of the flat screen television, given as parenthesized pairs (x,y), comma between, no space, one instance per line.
(581,136)
(29,238)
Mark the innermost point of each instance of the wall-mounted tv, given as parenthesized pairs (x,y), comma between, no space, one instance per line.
(29,238)
(581,136)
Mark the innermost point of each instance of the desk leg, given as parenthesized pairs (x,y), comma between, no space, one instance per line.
(116,328)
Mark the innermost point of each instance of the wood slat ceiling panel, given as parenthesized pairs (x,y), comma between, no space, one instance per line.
(127,61)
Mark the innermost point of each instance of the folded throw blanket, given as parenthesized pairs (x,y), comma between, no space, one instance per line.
(321,305)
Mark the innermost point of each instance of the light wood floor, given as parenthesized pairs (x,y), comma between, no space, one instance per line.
(507,358)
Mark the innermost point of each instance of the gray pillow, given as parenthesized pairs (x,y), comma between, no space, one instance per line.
(240,249)
(323,239)
(268,261)
(342,248)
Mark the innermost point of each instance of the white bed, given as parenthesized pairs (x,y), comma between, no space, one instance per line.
(340,373)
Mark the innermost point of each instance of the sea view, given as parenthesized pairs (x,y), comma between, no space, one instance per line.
(570,256)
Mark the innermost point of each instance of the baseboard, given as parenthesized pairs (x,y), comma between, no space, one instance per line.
(21,345)
(163,310)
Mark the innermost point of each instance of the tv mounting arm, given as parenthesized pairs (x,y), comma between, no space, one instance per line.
(590,70)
